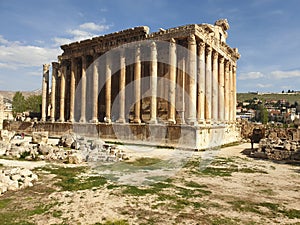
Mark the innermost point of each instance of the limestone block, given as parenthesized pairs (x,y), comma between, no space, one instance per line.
(40,137)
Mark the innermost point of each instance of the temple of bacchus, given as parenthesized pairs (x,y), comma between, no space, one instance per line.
(175,87)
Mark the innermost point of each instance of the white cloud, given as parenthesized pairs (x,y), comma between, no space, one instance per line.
(264,85)
(285,74)
(14,55)
(3,40)
(82,32)
(94,27)
(250,76)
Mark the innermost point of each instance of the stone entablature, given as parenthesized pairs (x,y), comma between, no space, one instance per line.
(204,32)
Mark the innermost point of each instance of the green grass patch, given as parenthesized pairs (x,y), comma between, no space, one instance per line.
(144,161)
(291,213)
(115,222)
(69,180)
(193,184)
(20,216)
(4,202)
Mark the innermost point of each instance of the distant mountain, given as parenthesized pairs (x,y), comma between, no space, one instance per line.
(10,94)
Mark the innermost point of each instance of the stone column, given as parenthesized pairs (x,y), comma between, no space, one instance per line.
(180,103)
(45,91)
(122,84)
(83,91)
(221,90)
(192,73)
(215,87)
(108,75)
(226,108)
(53,88)
(201,83)
(234,92)
(95,90)
(153,83)
(72,89)
(208,86)
(230,94)
(137,85)
(172,82)
(62,93)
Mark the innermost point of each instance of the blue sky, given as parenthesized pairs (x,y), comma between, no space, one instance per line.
(266,32)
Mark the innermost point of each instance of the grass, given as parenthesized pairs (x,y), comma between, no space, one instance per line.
(21,216)
(115,222)
(4,202)
(68,178)
(145,161)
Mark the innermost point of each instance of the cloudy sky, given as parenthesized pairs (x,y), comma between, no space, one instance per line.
(266,32)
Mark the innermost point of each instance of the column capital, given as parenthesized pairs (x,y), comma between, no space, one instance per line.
(153,46)
(55,65)
(215,55)
(173,41)
(208,50)
(191,39)
(46,67)
(201,46)
(227,65)
(221,60)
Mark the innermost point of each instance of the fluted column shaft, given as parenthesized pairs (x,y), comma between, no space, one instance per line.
(122,83)
(215,87)
(45,91)
(192,73)
(108,75)
(83,91)
(234,92)
(137,86)
(153,83)
(230,94)
(53,89)
(227,86)
(62,93)
(172,81)
(95,90)
(221,90)
(208,86)
(72,89)
(201,83)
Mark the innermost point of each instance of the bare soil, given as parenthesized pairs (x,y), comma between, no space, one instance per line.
(221,186)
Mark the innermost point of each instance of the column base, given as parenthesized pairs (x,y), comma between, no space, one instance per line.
(137,120)
(94,121)
(52,120)
(71,120)
(201,121)
(107,120)
(171,121)
(82,120)
(191,122)
(121,120)
(61,120)
(152,121)
(43,120)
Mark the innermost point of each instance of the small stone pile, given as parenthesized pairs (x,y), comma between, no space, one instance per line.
(277,149)
(16,178)
(71,148)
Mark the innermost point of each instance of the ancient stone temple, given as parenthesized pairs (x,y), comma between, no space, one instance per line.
(174,87)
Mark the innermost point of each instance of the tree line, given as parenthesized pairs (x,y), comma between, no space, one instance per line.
(21,104)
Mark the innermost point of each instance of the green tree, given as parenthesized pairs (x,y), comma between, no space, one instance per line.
(18,103)
(33,103)
(263,114)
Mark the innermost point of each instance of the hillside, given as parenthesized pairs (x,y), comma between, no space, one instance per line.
(10,94)
(290,97)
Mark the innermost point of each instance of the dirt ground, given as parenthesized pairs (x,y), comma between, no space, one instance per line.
(160,186)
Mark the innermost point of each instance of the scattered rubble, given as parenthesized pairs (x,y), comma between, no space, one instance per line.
(275,143)
(71,148)
(16,178)
(277,149)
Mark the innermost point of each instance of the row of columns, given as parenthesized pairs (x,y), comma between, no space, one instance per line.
(210,87)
